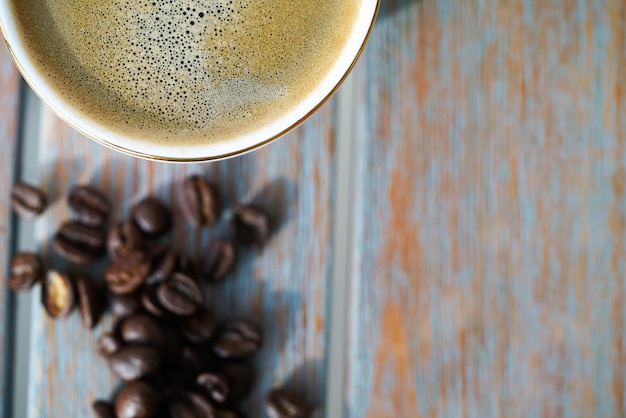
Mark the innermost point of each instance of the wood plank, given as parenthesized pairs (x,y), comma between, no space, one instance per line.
(489,234)
(285,287)
(9,109)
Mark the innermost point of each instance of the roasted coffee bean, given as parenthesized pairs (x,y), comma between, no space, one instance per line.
(88,205)
(150,302)
(197,360)
(152,216)
(142,329)
(127,273)
(57,294)
(108,344)
(137,400)
(228,413)
(90,301)
(237,339)
(134,362)
(251,225)
(189,404)
(163,264)
(26,270)
(240,378)
(79,243)
(180,295)
(200,205)
(27,201)
(124,305)
(220,262)
(199,327)
(282,403)
(103,409)
(123,237)
(215,385)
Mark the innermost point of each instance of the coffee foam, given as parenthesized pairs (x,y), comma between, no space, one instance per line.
(184,71)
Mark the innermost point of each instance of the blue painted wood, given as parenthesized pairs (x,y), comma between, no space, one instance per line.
(284,287)
(489,234)
(9,108)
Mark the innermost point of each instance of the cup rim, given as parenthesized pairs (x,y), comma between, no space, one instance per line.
(143,155)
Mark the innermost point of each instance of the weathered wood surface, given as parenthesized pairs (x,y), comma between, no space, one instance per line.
(489,235)
(284,288)
(9,104)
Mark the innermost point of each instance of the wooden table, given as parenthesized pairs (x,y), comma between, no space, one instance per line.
(453,224)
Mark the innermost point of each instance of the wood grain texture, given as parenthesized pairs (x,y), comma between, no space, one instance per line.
(9,108)
(489,233)
(284,287)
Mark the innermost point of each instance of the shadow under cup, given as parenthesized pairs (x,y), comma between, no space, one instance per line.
(201,151)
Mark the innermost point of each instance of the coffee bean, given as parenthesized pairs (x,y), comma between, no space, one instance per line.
(134,362)
(282,403)
(108,344)
(127,273)
(150,302)
(251,225)
(152,216)
(197,360)
(163,264)
(103,409)
(124,305)
(88,205)
(123,237)
(78,243)
(57,294)
(180,295)
(137,400)
(200,205)
(189,404)
(215,385)
(90,300)
(221,261)
(240,378)
(228,413)
(26,269)
(27,200)
(199,327)
(142,329)
(237,339)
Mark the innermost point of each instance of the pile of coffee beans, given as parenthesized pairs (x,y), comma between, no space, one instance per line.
(176,359)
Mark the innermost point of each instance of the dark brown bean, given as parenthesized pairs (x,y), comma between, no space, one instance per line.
(189,404)
(103,409)
(27,200)
(127,273)
(180,295)
(108,344)
(90,300)
(137,400)
(201,203)
(215,384)
(152,216)
(163,264)
(134,362)
(251,225)
(220,261)
(199,327)
(124,305)
(26,270)
(124,237)
(142,329)
(282,403)
(228,413)
(57,294)
(237,339)
(197,359)
(88,205)
(79,243)
(150,302)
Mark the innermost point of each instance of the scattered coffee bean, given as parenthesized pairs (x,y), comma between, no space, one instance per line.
(26,269)
(180,295)
(123,237)
(127,273)
(27,200)
(152,216)
(163,264)
(103,409)
(200,204)
(237,339)
(124,305)
(189,404)
(215,385)
(88,205)
(150,303)
(134,362)
(90,301)
(137,400)
(108,344)
(78,243)
(57,294)
(221,261)
(197,360)
(199,327)
(282,403)
(142,329)
(251,225)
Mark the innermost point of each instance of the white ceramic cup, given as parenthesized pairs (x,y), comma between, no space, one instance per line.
(187,153)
